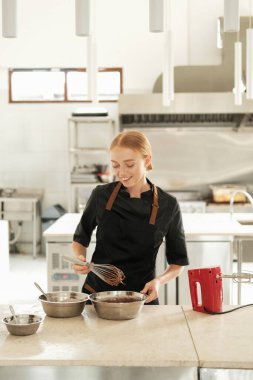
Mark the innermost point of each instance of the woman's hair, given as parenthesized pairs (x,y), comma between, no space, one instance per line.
(134,140)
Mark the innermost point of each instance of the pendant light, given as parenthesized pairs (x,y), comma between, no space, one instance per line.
(85,27)
(156,18)
(92,69)
(168,70)
(168,61)
(9,18)
(249,57)
(231,16)
(238,73)
(82,17)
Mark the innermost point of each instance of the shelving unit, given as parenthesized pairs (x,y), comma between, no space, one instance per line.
(85,151)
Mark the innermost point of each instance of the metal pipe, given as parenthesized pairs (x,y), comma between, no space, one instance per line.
(247,195)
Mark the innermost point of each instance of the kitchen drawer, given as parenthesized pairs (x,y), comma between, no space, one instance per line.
(17,216)
(17,210)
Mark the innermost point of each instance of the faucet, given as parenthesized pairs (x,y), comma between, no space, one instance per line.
(247,195)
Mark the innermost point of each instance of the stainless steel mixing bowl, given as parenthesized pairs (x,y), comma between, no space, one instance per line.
(118,304)
(63,304)
(25,324)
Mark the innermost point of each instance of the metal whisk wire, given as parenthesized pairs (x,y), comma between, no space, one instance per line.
(106,272)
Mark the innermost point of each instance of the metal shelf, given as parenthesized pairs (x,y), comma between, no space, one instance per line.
(91,119)
(78,154)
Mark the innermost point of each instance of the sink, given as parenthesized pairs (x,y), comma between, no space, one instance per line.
(246,222)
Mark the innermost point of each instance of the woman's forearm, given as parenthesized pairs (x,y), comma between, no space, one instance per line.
(171,272)
(79,249)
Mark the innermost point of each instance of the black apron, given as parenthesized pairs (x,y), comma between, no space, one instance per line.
(126,244)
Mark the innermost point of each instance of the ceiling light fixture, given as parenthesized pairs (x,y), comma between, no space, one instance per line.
(156,16)
(249,57)
(92,69)
(168,70)
(82,17)
(168,61)
(231,16)
(85,27)
(9,18)
(238,73)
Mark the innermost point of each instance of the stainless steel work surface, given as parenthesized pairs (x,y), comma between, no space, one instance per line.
(98,373)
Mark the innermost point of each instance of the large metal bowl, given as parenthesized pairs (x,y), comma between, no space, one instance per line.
(63,304)
(118,304)
(24,324)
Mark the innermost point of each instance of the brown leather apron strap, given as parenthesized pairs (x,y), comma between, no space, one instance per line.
(113,196)
(155,206)
(89,288)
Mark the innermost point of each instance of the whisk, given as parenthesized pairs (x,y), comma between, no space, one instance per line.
(106,272)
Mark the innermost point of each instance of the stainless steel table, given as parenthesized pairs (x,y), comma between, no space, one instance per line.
(22,208)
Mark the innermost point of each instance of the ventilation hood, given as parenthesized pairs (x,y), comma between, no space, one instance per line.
(198,110)
(203,95)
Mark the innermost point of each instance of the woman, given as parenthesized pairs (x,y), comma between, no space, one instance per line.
(132,218)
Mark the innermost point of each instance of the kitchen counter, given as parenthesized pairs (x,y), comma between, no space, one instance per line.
(217,224)
(158,337)
(161,336)
(4,251)
(194,224)
(222,341)
(212,239)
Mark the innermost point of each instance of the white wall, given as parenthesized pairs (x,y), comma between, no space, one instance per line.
(33,138)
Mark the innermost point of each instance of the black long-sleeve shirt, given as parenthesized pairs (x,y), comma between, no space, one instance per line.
(168,222)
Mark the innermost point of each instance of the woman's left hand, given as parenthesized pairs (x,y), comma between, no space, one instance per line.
(151,289)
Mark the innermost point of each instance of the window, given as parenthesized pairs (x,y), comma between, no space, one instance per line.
(62,85)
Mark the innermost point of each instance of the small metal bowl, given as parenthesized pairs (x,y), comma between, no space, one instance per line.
(118,304)
(25,324)
(63,304)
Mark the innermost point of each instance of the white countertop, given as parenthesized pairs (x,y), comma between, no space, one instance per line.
(222,341)
(158,337)
(194,225)
(217,224)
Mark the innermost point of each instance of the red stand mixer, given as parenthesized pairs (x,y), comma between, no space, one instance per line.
(206,287)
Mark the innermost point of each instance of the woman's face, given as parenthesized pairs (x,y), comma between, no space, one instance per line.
(129,166)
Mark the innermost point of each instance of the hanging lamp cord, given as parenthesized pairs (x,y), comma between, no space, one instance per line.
(250,11)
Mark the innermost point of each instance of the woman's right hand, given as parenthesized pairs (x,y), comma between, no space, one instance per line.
(81,269)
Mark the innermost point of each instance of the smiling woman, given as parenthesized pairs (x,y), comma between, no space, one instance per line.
(132,217)
(131,156)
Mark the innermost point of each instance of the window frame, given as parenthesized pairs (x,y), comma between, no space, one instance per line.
(65,70)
